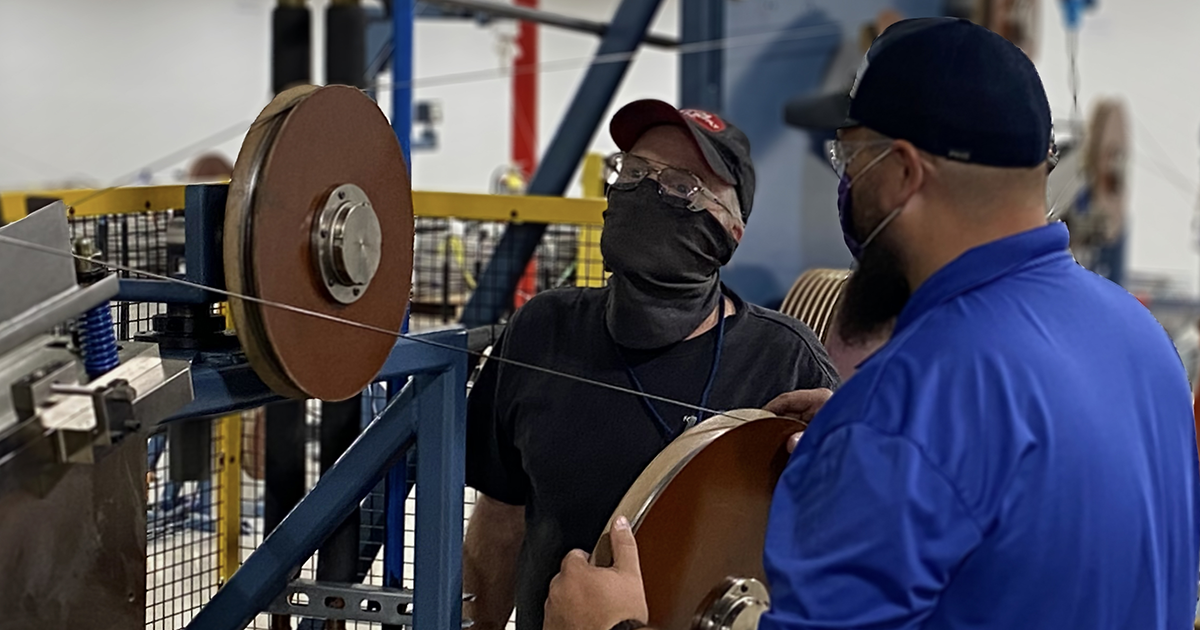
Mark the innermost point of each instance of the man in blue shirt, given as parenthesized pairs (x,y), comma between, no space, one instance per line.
(1021,454)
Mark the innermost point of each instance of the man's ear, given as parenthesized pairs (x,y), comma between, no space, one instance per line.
(912,175)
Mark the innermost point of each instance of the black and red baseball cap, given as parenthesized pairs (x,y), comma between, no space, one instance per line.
(724,147)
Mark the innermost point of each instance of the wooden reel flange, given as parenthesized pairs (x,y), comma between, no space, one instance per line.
(699,513)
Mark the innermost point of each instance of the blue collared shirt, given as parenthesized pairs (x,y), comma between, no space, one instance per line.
(1020,455)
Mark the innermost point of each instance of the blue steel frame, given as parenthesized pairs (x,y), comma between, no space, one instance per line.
(513,251)
(701,71)
(430,411)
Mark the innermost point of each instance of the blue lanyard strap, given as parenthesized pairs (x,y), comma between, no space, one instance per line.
(662,425)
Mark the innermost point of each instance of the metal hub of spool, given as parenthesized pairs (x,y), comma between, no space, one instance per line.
(736,604)
(699,512)
(346,242)
(319,215)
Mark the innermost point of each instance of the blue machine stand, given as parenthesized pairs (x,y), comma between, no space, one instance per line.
(428,413)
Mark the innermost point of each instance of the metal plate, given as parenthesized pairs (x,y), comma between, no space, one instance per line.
(699,511)
(305,144)
(813,298)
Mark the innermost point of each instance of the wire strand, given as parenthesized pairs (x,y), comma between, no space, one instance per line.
(348,322)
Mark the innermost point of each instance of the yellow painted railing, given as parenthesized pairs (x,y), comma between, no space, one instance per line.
(465,206)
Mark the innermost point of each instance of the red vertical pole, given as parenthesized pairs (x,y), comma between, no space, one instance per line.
(524,125)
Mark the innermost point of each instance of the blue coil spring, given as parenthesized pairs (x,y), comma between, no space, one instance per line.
(97,341)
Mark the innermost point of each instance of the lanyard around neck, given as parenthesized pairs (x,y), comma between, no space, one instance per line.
(661,423)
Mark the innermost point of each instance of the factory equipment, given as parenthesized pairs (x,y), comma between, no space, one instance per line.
(317,225)
(75,409)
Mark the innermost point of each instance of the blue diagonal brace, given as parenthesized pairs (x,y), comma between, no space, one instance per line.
(493,294)
(266,572)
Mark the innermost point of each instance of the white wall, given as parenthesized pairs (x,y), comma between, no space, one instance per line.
(1146,52)
(93,90)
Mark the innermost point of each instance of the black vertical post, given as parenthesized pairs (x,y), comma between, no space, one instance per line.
(346,44)
(291,64)
(291,45)
(338,558)
(284,483)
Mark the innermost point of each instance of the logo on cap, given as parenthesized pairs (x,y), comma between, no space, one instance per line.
(704,119)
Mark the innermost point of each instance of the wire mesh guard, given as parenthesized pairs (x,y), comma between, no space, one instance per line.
(187,515)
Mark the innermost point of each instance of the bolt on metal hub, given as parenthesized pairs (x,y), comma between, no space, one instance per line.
(736,604)
(347,243)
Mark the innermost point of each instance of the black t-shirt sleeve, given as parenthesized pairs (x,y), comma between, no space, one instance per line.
(493,460)
(814,368)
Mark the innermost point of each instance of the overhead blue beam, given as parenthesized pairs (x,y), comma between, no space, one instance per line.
(628,27)
(701,66)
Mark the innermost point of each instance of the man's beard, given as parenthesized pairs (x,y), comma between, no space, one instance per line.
(874,295)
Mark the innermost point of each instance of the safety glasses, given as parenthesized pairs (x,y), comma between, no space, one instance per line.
(841,154)
(626,171)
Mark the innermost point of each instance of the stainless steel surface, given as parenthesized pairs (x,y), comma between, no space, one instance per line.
(350,602)
(736,605)
(162,386)
(347,242)
(76,556)
(50,313)
(42,351)
(40,291)
(42,275)
(64,429)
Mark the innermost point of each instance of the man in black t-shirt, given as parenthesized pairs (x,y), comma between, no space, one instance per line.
(551,457)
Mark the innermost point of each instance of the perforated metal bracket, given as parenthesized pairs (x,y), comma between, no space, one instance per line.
(350,602)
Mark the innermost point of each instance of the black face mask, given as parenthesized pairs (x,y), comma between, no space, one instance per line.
(666,263)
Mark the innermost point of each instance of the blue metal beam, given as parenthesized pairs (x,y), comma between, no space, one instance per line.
(204,220)
(131,290)
(700,71)
(222,384)
(441,455)
(430,409)
(266,572)
(626,31)
(402,64)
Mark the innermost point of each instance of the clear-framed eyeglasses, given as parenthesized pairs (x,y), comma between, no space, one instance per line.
(626,171)
(841,154)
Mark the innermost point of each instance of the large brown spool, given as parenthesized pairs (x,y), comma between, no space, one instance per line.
(319,217)
(699,512)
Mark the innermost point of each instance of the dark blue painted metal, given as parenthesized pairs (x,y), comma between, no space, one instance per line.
(441,453)
(625,32)
(265,573)
(223,383)
(131,290)
(402,65)
(204,221)
(701,70)
(431,409)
